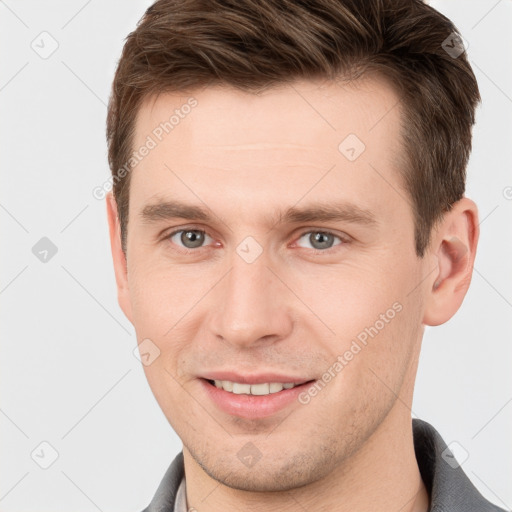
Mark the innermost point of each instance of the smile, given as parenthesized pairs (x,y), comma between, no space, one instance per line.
(252,400)
(265,388)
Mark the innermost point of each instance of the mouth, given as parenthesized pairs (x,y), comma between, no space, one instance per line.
(253,400)
(260,389)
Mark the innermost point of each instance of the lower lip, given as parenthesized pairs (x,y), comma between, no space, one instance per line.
(252,406)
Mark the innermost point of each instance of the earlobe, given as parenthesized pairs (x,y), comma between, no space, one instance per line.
(454,246)
(118,256)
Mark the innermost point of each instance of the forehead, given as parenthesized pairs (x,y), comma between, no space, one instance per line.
(273,147)
(305,108)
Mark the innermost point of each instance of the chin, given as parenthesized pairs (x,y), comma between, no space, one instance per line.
(270,475)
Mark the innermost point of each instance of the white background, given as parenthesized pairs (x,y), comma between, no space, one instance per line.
(67,370)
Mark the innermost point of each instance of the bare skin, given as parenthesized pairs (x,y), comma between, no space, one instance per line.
(299,305)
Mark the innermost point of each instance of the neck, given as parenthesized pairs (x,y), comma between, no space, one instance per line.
(383,475)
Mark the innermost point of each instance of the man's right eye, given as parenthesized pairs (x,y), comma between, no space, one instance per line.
(188,238)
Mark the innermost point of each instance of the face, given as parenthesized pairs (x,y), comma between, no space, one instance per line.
(271,241)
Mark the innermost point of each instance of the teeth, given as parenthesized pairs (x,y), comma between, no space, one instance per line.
(260,389)
(275,387)
(253,389)
(240,389)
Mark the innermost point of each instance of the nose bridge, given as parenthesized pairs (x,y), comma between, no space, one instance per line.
(249,305)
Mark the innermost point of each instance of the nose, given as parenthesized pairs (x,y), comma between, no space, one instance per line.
(253,308)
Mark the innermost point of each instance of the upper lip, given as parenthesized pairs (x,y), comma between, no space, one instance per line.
(253,378)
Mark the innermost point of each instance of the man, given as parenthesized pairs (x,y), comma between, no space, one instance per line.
(288,213)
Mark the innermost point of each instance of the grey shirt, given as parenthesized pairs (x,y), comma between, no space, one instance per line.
(449,488)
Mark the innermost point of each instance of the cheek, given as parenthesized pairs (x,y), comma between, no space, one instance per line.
(168,392)
(347,297)
(162,294)
(368,316)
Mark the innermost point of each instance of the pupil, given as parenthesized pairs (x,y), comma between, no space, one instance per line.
(321,240)
(192,239)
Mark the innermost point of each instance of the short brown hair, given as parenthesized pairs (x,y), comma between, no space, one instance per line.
(182,45)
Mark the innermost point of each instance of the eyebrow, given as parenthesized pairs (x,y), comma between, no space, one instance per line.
(319,212)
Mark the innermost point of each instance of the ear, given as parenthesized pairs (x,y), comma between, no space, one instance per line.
(454,245)
(119,258)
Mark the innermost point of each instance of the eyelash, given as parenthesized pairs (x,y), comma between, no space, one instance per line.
(343,240)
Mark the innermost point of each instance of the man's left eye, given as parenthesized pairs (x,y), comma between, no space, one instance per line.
(320,240)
